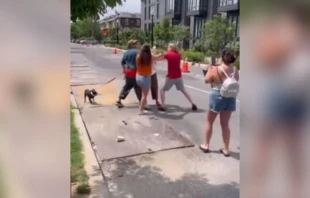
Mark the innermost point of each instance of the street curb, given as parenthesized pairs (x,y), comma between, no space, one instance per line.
(93,169)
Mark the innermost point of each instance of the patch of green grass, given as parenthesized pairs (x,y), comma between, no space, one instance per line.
(78,173)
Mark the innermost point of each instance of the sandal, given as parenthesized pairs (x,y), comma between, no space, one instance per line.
(204,149)
(223,152)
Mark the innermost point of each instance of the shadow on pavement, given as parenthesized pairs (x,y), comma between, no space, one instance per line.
(234,155)
(175,112)
(126,178)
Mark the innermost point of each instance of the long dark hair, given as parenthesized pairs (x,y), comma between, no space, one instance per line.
(145,56)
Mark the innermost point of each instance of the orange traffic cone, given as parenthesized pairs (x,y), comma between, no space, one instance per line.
(115,51)
(185,67)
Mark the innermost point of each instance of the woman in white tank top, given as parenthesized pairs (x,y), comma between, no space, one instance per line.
(154,84)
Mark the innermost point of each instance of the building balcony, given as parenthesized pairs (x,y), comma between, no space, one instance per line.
(228,5)
(197,8)
(174,8)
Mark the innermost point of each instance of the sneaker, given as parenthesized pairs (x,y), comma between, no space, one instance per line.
(194,107)
(119,104)
(161,108)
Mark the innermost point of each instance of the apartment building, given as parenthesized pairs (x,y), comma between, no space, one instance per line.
(231,8)
(192,13)
(121,20)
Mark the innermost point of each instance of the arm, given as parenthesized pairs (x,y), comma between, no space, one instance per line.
(209,76)
(158,57)
(123,62)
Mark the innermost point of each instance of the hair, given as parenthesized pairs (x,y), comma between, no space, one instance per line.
(228,56)
(173,47)
(145,56)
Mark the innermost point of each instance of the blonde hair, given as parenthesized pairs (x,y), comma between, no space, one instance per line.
(173,47)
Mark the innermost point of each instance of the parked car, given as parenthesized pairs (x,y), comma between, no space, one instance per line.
(89,42)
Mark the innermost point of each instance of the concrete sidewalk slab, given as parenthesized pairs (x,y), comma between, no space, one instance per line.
(182,173)
(142,133)
(108,95)
(98,185)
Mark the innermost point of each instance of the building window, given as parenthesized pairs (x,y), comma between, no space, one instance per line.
(153,1)
(145,27)
(169,6)
(193,5)
(138,22)
(198,27)
(145,13)
(228,2)
(126,22)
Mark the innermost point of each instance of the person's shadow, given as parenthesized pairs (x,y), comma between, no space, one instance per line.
(173,112)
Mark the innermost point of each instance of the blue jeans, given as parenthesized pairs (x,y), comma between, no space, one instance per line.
(217,103)
(143,81)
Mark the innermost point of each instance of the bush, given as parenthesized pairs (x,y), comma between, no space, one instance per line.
(193,56)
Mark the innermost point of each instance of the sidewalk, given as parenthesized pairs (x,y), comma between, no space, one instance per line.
(154,161)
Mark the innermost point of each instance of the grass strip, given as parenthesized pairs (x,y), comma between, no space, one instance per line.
(78,173)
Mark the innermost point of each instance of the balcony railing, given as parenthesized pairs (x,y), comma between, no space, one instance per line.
(228,2)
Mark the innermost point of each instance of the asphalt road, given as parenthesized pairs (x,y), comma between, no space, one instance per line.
(190,124)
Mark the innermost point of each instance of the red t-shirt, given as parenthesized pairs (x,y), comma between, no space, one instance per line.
(174,64)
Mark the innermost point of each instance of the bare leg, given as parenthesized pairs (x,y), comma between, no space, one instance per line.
(162,97)
(224,120)
(188,97)
(143,99)
(209,126)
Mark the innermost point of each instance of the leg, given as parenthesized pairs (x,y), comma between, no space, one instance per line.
(224,120)
(180,86)
(167,86)
(154,90)
(138,91)
(129,84)
(145,84)
(209,126)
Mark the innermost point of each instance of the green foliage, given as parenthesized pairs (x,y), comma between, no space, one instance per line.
(81,9)
(88,28)
(162,32)
(180,33)
(78,173)
(217,34)
(128,34)
(193,56)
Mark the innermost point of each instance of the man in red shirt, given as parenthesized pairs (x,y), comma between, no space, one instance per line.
(174,76)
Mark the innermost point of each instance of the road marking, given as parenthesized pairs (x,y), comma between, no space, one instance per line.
(201,90)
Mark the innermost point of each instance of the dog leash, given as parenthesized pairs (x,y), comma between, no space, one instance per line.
(112,79)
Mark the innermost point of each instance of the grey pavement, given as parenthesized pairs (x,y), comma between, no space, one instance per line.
(175,170)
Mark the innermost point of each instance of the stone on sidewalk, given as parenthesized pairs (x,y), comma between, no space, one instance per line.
(104,124)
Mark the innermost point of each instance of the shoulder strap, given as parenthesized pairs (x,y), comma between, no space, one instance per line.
(223,70)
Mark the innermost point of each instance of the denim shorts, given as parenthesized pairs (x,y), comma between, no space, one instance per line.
(217,103)
(143,81)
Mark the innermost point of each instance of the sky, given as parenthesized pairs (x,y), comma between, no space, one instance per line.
(128,6)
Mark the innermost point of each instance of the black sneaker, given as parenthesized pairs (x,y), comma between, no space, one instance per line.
(194,107)
(119,104)
(160,108)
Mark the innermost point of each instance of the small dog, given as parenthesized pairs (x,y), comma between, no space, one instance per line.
(91,94)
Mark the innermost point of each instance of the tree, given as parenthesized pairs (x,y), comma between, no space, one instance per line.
(180,33)
(87,27)
(217,34)
(163,31)
(81,9)
(128,34)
